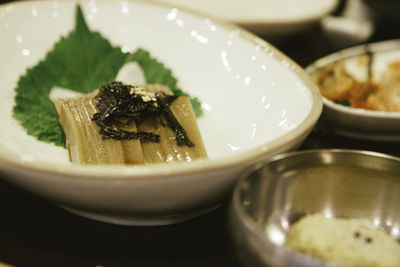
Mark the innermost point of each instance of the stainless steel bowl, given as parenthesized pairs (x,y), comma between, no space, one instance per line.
(268,198)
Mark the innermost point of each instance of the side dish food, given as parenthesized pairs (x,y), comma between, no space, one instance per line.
(338,85)
(125,124)
(347,242)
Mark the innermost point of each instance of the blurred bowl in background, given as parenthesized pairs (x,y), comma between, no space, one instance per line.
(270,197)
(268,18)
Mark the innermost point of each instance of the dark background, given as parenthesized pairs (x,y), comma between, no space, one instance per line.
(34,232)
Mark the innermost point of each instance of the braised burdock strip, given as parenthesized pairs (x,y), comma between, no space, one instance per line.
(123,124)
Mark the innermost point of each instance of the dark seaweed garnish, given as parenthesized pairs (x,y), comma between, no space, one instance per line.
(117,102)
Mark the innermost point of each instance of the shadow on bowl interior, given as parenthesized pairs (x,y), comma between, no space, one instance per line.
(269,198)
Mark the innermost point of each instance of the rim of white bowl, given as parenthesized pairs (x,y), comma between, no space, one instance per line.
(354,51)
(286,20)
(154,171)
(359,111)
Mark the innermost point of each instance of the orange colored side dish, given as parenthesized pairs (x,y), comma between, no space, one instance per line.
(338,85)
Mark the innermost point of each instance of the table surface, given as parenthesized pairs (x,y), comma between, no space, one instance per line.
(34,232)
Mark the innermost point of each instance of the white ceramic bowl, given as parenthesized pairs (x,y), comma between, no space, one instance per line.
(269,18)
(256,102)
(355,122)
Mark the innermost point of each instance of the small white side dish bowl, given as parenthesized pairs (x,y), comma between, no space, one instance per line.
(355,122)
(269,18)
(256,102)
